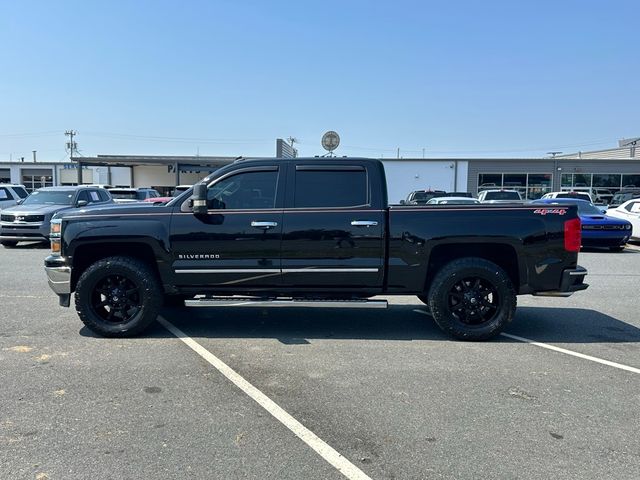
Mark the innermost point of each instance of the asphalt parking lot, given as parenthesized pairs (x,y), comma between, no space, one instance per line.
(386,390)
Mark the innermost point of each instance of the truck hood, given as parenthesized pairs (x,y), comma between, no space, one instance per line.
(35,209)
(115,209)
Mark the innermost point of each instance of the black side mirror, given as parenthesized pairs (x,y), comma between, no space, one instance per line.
(402,202)
(82,203)
(199,199)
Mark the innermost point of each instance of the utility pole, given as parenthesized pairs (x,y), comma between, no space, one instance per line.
(293,140)
(71,145)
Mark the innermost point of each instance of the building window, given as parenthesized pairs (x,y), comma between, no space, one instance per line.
(530,185)
(5,175)
(630,181)
(35,178)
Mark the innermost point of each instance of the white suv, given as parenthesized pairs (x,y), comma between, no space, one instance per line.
(10,194)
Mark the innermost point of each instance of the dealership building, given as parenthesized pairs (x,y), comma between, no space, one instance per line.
(613,169)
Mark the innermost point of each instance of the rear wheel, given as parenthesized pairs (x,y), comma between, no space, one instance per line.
(472,299)
(8,243)
(118,297)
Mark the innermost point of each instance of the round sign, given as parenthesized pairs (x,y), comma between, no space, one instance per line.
(330,141)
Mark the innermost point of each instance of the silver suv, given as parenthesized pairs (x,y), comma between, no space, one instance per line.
(11,194)
(29,220)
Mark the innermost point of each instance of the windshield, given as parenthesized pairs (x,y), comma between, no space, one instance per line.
(502,196)
(49,198)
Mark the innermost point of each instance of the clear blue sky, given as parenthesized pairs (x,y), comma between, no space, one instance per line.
(458,78)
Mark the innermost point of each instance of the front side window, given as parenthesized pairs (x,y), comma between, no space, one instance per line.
(331,188)
(21,192)
(244,191)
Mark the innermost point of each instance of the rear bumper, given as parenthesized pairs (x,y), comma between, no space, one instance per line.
(59,278)
(572,281)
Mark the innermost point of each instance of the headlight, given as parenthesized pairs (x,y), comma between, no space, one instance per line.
(55,235)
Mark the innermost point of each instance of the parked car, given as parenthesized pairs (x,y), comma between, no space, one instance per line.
(129,195)
(179,189)
(624,196)
(29,220)
(453,201)
(421,197)
(11,194)
(500,196)
(158,199)
(327,239)
(571,195)
(629,211)
(596,194)
(598,229)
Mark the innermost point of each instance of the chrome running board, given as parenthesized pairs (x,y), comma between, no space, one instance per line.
(282,302)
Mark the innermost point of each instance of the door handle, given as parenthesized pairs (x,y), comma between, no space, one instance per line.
(364,223)
(264,225)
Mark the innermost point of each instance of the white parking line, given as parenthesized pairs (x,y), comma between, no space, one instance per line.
(323,449)
(572,353)
(562,350)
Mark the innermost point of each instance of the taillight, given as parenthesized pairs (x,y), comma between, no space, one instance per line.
(572,235)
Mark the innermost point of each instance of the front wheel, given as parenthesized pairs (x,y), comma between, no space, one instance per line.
(118,297)
(8,243)
(472,299)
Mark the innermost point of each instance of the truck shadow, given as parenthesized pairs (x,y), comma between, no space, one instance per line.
(399,322)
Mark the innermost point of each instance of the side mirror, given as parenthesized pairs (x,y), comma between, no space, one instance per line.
(199,199)
(19,201)
(81,203)
(402,202)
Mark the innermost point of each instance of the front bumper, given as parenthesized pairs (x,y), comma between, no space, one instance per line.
(24,231)
(59,278)
(572,281)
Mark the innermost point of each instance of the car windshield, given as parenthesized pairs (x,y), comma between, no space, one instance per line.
(124,194)
(63,197)
(575,195)
(502,196)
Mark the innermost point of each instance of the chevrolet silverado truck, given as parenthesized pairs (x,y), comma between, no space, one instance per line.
(312,232)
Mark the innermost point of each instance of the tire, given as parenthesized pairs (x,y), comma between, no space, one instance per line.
(619,248)
(472,299)
(8,243)
(118,297)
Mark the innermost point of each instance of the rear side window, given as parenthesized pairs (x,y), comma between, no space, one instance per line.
(331,188)
(104,196)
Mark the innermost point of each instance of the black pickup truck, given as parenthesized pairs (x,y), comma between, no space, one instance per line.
(304,233)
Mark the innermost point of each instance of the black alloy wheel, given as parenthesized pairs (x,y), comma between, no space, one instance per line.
(473,301)
(116,299)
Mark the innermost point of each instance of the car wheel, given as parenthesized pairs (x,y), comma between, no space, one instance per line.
(472,299)
(617,249)
(8,243)
(118,297)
